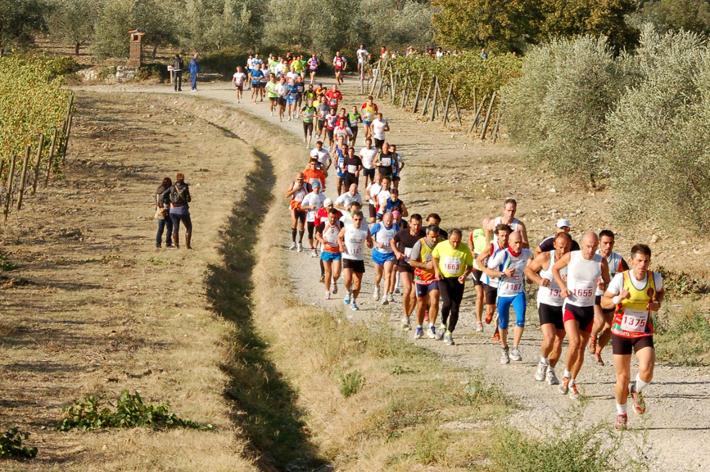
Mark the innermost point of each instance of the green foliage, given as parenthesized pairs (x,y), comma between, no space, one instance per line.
(32,100)
(690,15)
(19,21)
(556,108)
(682,335)
(515,24)
(659,130)
(5,263)
(350,383)
(112,26)
(466,70)
(220,24)
(11,445)
(130,412)
(73,21)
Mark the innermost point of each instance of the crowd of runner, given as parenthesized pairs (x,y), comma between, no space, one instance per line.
(586,292)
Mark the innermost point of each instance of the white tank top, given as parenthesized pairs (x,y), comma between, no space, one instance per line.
(514,225)
(298,194)
(485,278)
(355,243)
(511,286)
(330,234)
(582,278)
(384,236)
(551,295)
(613,260)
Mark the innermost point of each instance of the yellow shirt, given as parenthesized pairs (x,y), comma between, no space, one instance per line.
(452,262)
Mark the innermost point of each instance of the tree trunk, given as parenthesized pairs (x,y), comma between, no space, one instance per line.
(77,46)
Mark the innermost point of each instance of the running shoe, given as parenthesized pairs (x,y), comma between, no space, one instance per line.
(346,300)
(637,397)
(552,377)
(314,253)
(353,306)
(385,301)
(440,333)
(574,391)
(419,333)
(322,278)
(479,327)
(299,247)
(431,332)
(515,354)
(335,288)
(327,294)
(449,339)
(390,297)
(405,323)
(293,246)
(376,293)
(504,357)
(541,371)
(564,386)
(621,420)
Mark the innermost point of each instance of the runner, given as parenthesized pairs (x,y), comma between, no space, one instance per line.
(322,157)
(311,203)
(345,200)
(308,113)
(347,219)
(490,284)
(352,239)
(321,217)
(354,118)
(368,111)
(402,245)
(372,191)
(395,204)
(453,262)
(378,128)
(334,97)
(362,57)
(509,268)
(257,85)
(313,174)
(327,235)
(249,67)
(238,79)
(296,192)
(427,286)
(339,65)
(603,318)
(272,93)
(510,206)
(283,91)
(339,153)
(367,155)
(323,110)
(435,219)
(330,121)
(353,167)
(292,98)
(342,130)
(549,305)
(313,64)
(383,257)
(636,294)
(382,197)
(586,271)
(384,161)
(563,226)
(397,166)
(477,244)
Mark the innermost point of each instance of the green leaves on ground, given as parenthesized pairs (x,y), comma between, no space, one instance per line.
(11,445)
(130,412)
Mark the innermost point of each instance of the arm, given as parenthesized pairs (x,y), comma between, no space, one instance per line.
(559,265)
(481,259)
(604,282)
(488,228)
(341,241)
(369,241)
(393,245)
(524,232)
(532,270)
(405,212)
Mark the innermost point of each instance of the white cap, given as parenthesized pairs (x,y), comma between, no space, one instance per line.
(327,202)
(563,222)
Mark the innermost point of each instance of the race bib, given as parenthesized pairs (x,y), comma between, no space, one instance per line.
(584,295)
(352,169)
(386,162)
(452,265)
(634,321)
(311,215)
(356,250)
(512,287)
(407,252)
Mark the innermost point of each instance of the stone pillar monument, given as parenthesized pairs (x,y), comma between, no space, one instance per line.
(135,55)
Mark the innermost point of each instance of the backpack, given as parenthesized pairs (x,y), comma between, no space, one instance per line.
(178,195)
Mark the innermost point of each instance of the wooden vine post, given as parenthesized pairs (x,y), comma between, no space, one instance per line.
(488,116)
(23,176)
(50,160)
(419,89)
(38,161)
(474,124)
(428,94)
(405,92)
(496,128)
(10,182)
(435,102)
(448,102)
(376,76)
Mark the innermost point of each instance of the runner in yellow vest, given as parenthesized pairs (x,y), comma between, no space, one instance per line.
(635,294)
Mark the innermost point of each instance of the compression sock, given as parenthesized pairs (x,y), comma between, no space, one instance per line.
(620,409)
(640,384)
(300,236)
(566,374)
(293,234)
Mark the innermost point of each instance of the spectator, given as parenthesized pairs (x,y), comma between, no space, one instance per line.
(194,70)
(180,210)
(178,65)
(162,214)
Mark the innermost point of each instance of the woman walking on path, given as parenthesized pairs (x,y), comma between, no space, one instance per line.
(180,210)
(162,216)
(194,67)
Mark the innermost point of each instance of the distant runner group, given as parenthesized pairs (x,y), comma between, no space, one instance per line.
(586,293)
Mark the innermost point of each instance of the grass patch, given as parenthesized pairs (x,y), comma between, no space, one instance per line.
(351,383)
(683,335)
(130,411)
(12,447)
(5,263)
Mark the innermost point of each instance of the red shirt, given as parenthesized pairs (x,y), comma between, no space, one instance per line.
(334,97)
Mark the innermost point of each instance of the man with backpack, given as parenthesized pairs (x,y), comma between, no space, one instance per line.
(178,65)
(180,210)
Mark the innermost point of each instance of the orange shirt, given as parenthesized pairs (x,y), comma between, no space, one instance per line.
(311,175)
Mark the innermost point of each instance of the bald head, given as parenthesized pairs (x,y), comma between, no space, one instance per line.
(590,242)
(387,218)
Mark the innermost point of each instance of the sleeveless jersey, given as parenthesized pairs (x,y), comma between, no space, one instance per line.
(631,317)
(582,278)
(330,236)
(297,197)
(613,260)
(422,276)
(551,295)
(354,243)
(383,236)
(485,278)
(514,225)
(511,286)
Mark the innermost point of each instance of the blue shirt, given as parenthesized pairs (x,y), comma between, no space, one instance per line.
(194,67)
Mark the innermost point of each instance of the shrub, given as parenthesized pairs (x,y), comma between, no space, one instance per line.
(351,383)
(11,446)
(659,130)
(683,334)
